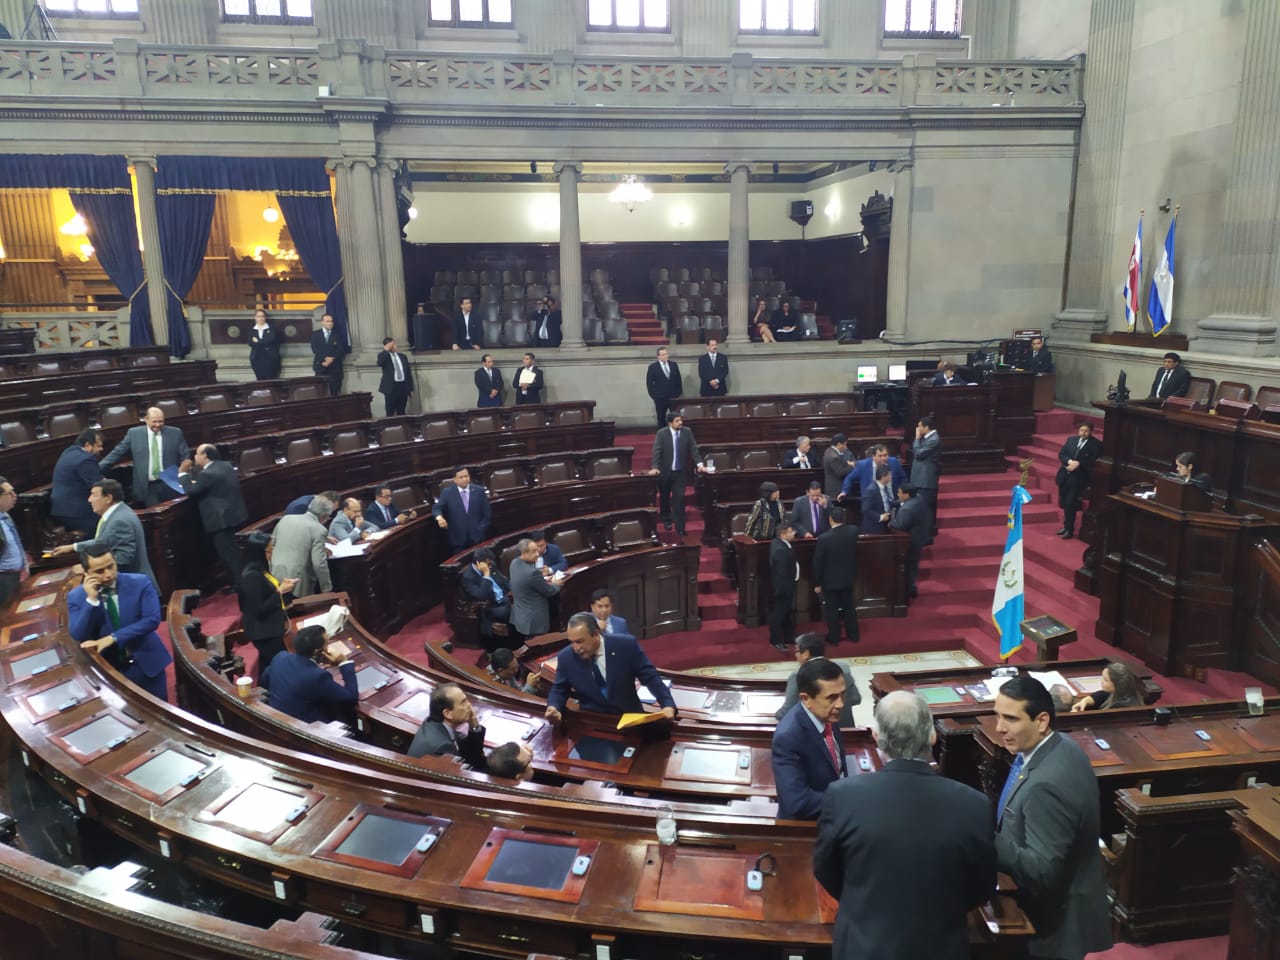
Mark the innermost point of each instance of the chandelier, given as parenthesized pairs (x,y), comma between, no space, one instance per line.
(630,192)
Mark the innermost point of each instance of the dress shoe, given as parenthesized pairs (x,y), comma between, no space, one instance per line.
(666,524)
(1058,533)
(1068,535)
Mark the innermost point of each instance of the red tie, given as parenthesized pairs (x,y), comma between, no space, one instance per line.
(829,735)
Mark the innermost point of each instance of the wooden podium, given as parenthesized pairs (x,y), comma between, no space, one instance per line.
(1173,578)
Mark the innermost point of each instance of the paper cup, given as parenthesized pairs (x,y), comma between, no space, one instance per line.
(243,687)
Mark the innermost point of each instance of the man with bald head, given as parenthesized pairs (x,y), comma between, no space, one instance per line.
(907,852)
(153,448)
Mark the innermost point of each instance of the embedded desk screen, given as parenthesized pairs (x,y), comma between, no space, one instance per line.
(37,662)
(710,764)
(384,839)
(259,808)
(527,863)
(598,750)
(371,678)
(95,735)
(55,698)
(164,771)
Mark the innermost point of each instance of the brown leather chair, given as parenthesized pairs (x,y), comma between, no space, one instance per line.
(254,457)
(764,408)
(484,423)
(757,460)
(607,465)
(171,407)
(629,534)
(118,414)
(437,429)
(258,397)
(301,448)
(1201,391)
(214,401)
(1267,396)
(349,439)
(574,543)
(571,416)
(556,471)
(505,478)
(68,423)
(728,411)
(394,433)
(836,406)
(527,420)
(802,408)
(1232,390)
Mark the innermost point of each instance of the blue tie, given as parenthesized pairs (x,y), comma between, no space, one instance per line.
(599,679)
(1014,772)
(498,593)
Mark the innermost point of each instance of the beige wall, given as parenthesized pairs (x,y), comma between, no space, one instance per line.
(1051,29)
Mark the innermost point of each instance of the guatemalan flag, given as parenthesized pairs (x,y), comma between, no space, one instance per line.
(1133,279)
(1007,604)
(1160,303)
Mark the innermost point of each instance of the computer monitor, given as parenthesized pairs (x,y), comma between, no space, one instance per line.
(868,373)
(897,372)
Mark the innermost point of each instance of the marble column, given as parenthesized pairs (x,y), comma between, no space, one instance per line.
(392,253)
(360,245)
(570,254)
(899,283)
(1100,232)
(739,273)
(144,176)
(1246,260)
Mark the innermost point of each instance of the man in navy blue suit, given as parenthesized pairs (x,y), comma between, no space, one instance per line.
(601,671)
(863,473)
(602,608)
(74,475)
(808,753)
(117,614)
(301,686)
(462,511)
(879,502)
(550,557)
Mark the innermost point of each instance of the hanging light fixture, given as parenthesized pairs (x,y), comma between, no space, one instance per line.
(630,193)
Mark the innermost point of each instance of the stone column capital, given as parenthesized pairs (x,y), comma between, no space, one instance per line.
(733,166)
(140,161)
(348,163)
(561,167)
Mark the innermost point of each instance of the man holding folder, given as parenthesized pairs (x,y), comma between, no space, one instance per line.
(601,671)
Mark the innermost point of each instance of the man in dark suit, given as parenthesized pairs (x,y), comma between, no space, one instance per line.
(73,475)
(484,583)
(913,517)
(118,529)
(528,381)
(1041,359)
(153,448)
(1172,379)
(440,734)
(810,646)
(808,751)
(1076,457)
(547,323)
(879,502)
(531,592)
(784,571)
(216,490)
(906,814)
(799,457)
(675,456)
(397,377)
(1047,827)
(382,512)
(809,514)
(925,466)
(300,684)
(663,382)
(462,511)
(602,671)
(327,352)
(946,377)
(837,461)
(264,348)
(550,557)
(835,571)
(488,380)
(864,471)
(117,614)
(602,610)
(468,329)
(713,371)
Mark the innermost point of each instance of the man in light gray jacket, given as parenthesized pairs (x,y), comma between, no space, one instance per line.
(298,549)
(530,592)
(119,530)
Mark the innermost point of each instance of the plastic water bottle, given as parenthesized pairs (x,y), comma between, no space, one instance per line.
(666,825)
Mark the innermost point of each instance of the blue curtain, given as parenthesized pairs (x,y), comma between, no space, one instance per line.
(184,219)
(113,232)
(65,171)
(302,189)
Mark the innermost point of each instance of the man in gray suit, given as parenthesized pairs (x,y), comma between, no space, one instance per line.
(1047,827)
(924,465)
(152,447)
(810,646)
(440,736)
(530,592)
(298,549)
(119,530)
(349,523)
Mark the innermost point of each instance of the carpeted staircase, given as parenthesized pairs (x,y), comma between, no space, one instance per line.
(643,324)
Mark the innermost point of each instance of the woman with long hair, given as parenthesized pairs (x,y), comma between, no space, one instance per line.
(1120,688)
(765,516)
(262,604)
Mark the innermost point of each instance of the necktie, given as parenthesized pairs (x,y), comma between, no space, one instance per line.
(466,499)
(155,455)
(813,505)
(498,592)
(599,678)
(113,612)
(1163,381)
(666,371)
(675,450)
(326,338)
(395,362)
(98,532)
(1079,446)
(884,492)
(490,372)
(829,735)
(1015,771)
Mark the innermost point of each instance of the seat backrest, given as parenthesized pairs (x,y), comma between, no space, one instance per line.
(255,456)
(515,333)
(738,523)
(571,416)
(68,423)
(444,276)
(802,408)
(615,330)
(809,327)
(719,459)
(97,363)
(15,429)
(394,433)
(557,471)
(492,330)
(757,460)
(437,429)
(1268,396)
(307,391)
(173,407)
(513,291)
(301,448)
(349,439)
(573,542)
(114,413)
(258,397)
(690,323)
(468,277)
(527,419)
(213,401)
(490,293)
(506,556)
(659,274)
(763,408)
(505,478)
(592,330)
(407,496)
(608,465)
(483,423)
(148,360)
(1232,390)
(628,533)
(1200,390)
(727,411)
(835,406)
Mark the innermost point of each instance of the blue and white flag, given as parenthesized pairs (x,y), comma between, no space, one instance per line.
(1008,603)
(1160,303)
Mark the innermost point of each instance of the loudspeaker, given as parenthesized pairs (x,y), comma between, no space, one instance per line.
(801,208)
(847,331)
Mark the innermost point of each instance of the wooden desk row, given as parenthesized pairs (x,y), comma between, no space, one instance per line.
(404,857)
(176,541)
(782,430)
(14,340)
(97,383)
(979,423)
(768,456)
(880,590)
(26,365)
(743,486)
(793,405)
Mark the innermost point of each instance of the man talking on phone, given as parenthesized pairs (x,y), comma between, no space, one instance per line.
(117,614)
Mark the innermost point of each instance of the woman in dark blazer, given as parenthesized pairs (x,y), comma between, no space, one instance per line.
(264,347)
(262,606)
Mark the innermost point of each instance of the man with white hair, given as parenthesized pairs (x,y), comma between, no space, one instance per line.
(907,852)
(298,549)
